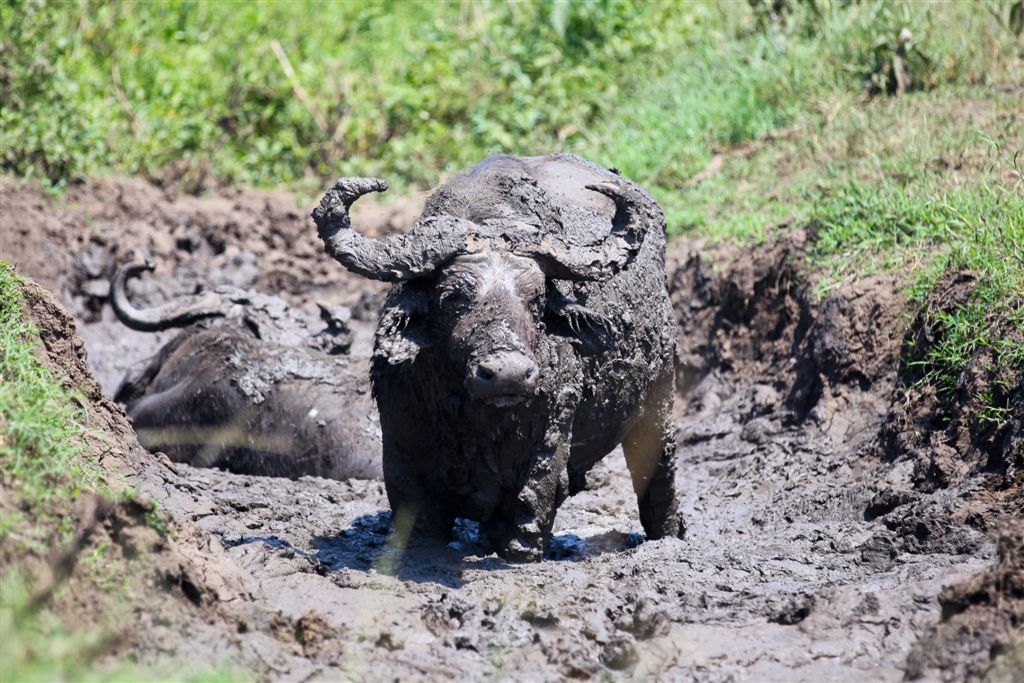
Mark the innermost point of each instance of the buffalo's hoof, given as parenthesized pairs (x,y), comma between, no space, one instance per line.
(680,528)
(673,527)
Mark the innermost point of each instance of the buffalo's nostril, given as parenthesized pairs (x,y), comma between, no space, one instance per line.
(503,375)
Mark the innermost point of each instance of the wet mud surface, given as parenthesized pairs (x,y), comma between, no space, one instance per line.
(820,545)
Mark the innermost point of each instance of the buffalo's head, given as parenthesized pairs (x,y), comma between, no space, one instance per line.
(482,291)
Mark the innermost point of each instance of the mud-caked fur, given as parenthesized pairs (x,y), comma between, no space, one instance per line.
(506,366)
(246,387)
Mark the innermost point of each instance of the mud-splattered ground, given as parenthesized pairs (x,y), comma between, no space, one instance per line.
(816,550)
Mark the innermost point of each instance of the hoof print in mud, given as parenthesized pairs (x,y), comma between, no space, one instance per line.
(528,332)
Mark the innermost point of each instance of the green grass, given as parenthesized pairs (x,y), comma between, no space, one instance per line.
(39,648)
(978,231)
(296,93)
(953,137)
(268,93)
(860,229)
(42,421)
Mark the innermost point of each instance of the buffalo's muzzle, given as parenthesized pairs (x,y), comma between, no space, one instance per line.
(502,379)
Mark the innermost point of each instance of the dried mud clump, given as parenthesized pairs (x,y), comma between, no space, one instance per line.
(850,348)
(752,314)
(739,313)
(981,633)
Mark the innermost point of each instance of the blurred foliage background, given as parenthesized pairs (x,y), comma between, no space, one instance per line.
(203,93)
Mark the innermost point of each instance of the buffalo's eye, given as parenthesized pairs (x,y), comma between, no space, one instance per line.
(452,296)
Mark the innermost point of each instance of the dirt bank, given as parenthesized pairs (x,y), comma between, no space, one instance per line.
(817,546)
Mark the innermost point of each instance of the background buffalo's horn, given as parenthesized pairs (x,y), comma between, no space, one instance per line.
(431,242)
(172,314)
(603,259)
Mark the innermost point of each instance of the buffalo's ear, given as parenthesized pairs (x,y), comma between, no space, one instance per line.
(589,331)
(140,376)
(402,331)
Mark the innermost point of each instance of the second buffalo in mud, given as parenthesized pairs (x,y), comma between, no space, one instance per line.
(246,387)
(529,333)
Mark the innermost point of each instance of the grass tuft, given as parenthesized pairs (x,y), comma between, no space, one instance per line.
(976,232)
(42,421)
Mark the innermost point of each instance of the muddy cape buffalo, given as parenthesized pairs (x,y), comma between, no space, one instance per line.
(246,387)
(529,331)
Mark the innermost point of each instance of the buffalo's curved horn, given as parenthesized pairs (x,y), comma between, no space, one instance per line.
(431,242)
(172,314)
(602,259)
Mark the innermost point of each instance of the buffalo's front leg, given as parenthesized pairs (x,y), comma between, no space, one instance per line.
(522,526)
(410,500)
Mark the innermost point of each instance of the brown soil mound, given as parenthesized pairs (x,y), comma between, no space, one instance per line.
(982,620)
(808,557)
(244,238)
(153,568)
(751,316)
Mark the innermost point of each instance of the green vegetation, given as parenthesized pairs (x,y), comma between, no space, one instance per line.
(40,446)
(979,231)
(38,648)
(42,471)
(275,93)
(156,520)
(266,93)
(861,229)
